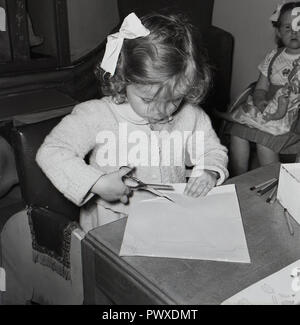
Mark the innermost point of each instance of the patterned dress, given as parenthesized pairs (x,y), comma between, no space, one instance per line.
(288,143)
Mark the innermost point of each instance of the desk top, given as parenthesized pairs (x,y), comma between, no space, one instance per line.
(193,282)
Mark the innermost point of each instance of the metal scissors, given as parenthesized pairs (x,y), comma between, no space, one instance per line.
(136,184)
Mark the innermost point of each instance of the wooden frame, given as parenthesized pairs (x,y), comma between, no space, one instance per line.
(62,33)
(21,60)
(18,31)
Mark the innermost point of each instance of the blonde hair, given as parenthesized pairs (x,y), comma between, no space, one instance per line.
(168,57)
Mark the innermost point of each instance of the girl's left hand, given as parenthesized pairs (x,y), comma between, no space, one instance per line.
(283,103)
(200,186)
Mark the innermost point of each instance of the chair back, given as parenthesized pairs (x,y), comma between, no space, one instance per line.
(199,11)
(37,190)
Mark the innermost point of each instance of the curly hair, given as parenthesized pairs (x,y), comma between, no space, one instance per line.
(285,8)
(168,57)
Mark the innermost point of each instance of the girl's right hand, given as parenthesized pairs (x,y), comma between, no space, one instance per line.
(111,188)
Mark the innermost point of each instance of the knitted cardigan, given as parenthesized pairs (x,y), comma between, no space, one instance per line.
(62,155)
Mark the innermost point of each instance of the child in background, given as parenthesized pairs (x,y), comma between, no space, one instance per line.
(275,85)
(153,79)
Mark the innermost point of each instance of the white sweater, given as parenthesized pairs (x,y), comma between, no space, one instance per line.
(62,154)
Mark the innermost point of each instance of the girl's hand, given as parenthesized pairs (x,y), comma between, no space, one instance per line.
(261,105)
(111,188)
(267,117)
(283,103)
(200,186)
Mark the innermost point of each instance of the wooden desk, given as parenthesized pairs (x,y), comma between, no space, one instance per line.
(109,279)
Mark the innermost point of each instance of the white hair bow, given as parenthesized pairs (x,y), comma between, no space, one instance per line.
(275,17)
(131,28)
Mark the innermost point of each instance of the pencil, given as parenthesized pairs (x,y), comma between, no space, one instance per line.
(268,188)
(272,197)
(262,184)
(288,221)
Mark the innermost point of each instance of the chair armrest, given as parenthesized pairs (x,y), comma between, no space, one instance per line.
(220,45)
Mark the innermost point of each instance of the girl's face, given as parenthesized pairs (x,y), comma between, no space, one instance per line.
(143,101)
(289,37)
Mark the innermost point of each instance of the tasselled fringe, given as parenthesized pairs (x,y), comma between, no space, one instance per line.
(48,258)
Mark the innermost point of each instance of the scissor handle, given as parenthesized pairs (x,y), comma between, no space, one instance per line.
(131,181)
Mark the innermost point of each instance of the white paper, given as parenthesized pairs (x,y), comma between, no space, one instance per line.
(281,288)
(2,20)
(208,228)
(289,189)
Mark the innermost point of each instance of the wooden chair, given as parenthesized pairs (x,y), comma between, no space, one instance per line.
(41,245)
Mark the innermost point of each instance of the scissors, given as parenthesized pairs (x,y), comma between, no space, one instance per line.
(136,184)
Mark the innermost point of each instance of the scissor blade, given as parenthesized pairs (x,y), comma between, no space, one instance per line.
(162,187)
(158,193)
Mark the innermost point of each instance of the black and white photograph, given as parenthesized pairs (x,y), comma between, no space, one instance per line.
(149,155)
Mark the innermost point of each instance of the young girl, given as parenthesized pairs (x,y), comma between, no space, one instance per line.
(153,79)
(276,89)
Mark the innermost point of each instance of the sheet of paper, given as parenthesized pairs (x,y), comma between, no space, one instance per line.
(281,288)
(208,228)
